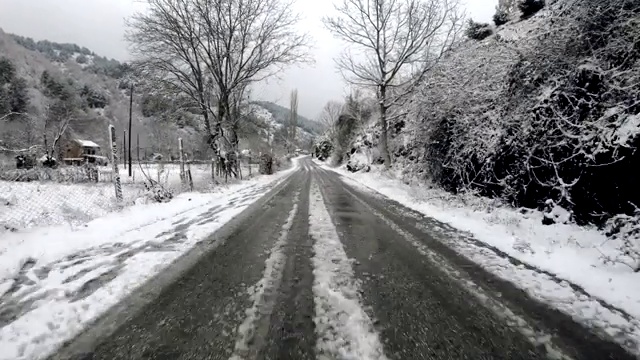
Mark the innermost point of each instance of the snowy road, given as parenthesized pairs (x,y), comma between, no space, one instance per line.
(318,269)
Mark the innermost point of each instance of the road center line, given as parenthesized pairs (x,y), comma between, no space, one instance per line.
(262,293)
(344,329)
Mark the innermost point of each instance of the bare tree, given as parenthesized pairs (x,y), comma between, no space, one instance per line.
(293,118)
(329,116)
(398,42)
(211,50)
(166,43)
(57,118)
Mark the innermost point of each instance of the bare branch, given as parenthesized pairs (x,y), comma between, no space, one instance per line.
(212,50)
(394,38)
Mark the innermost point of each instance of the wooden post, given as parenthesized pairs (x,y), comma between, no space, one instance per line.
(138,146)
(180,149)
(114,162)
(188,176)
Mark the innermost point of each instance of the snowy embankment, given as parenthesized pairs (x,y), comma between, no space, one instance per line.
(559,264)
(55,280)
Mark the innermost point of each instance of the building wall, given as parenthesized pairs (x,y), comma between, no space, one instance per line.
(72,150)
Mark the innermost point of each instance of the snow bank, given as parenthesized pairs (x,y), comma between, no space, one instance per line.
(344,329)
(562,264)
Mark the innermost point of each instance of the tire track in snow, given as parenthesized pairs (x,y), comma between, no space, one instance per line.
(252,330)
(344,329)
(537,337)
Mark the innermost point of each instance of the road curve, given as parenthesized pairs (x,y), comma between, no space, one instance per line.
(318,269)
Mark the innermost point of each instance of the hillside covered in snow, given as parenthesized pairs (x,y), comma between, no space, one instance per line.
(43,84)
(42,80)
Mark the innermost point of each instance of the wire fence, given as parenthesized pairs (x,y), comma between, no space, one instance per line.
(41,196)
(77,191)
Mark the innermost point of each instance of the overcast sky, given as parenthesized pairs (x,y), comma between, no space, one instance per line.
(99,25)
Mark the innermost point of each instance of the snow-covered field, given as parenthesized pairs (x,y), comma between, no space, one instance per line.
(169,175)
(558,264)
(54,280)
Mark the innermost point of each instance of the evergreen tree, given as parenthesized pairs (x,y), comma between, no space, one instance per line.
(18,95)
(7,71)
(501,17)
(478,31)
(530,7)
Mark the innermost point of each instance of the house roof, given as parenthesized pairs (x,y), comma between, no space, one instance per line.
(87,143)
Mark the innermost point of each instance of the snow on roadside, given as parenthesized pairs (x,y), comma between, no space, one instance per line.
(55,280)
(274,265)
(569,256)
(344,329)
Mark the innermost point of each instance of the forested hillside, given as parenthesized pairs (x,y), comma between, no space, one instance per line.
(281,116)
(47,89)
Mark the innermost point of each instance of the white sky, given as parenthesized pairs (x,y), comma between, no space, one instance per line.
(99,25)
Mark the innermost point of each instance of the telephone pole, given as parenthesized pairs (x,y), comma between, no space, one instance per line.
(124,149)
(130,117)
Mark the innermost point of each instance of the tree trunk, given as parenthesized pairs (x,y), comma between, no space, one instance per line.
(384,148)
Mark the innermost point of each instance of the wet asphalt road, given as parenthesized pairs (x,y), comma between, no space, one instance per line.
(432,304)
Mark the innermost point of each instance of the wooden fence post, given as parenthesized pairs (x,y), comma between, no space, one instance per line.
(114,162)
(180,149)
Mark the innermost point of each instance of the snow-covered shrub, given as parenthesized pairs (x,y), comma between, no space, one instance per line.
(82,59)
(358,161)
(555,214)
(156,192)
(625,231)
(322,148)
(529,7)
(501,17)
(478,31)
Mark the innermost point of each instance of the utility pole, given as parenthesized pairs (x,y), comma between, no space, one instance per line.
(130,117)
(124,149)
(138,146)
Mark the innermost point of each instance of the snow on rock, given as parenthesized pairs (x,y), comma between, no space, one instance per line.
(561,264)
(359,161)
(55,280)
(344,329)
